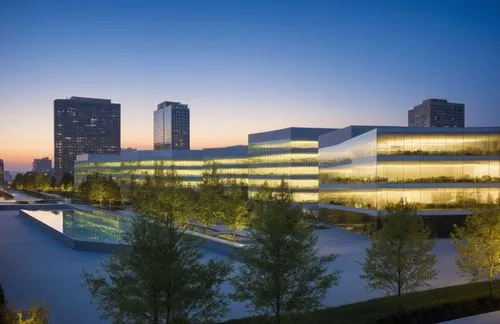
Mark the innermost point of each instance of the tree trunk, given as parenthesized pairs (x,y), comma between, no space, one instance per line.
(155,308)
(399,299)
(490,282)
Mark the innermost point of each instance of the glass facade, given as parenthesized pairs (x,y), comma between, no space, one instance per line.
(189,170)
(229,169)
(437,113)
(84,125)
(290,155)
(231,163)
(435,169)
(171,126)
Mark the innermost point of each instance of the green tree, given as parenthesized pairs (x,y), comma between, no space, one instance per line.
(97,190)
(36,314)
(113,193)
(100,189)
(165,191)
(32,181)
(131,187)
(478,245)
(281,274)
(237,216)
(211,199)
(4,312)
(53,182)
(400,258)
(157,277)
(18,182)
(67,181)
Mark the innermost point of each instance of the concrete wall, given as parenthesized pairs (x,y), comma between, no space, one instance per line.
(215,245)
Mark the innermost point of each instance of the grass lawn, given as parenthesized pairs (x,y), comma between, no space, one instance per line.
(374,310)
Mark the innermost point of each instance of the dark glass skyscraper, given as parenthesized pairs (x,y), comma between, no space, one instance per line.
(437,113)
(84,125)
(171,126)
(1,173)
(42,165)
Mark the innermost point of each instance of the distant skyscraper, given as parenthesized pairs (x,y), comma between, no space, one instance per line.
(84,125)
(7,178)
(42,165)
(437,113)
(1,173)
(171,126)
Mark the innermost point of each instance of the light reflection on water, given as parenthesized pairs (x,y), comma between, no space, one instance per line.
(81,225)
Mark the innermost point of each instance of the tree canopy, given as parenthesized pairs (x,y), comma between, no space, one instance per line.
(162,192)
(97,188)
(158,277)
(400,258)
(478,245)
(32,181)
(281,273)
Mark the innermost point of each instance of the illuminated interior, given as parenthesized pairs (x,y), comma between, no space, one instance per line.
(225,161)
(292,183)
(424,197)
(446,170)
(439,144)
(297,196)
(274,161)
(229,169)
(283,144)
(186,169)
(413,171)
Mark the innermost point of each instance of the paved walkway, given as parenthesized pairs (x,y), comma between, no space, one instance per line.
(488,318)
(22,196)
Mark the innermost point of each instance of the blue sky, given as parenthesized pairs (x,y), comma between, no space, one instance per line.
(243,66)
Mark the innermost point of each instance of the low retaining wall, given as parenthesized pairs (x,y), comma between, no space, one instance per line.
(68,241)
(220,247)
(14,206)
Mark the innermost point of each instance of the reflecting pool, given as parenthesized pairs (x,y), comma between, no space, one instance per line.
(80,225)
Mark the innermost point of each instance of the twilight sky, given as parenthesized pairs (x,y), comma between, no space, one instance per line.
(242,66)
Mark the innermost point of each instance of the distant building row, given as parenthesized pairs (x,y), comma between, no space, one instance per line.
(89,125)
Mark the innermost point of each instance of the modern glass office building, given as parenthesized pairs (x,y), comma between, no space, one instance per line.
(437,168)
(84,125)
(171,126)
(231,162)
(289,154)
(138,164)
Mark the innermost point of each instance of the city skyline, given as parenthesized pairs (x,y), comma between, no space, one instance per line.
(261,66)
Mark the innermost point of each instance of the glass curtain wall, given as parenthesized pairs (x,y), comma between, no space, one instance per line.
(433,170)
(122,172)
(295,161)
(229,169)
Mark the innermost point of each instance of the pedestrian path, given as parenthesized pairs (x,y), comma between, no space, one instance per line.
(488,318)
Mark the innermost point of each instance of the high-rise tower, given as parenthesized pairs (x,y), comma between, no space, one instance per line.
(437,113)
(171,126)
(84,125)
